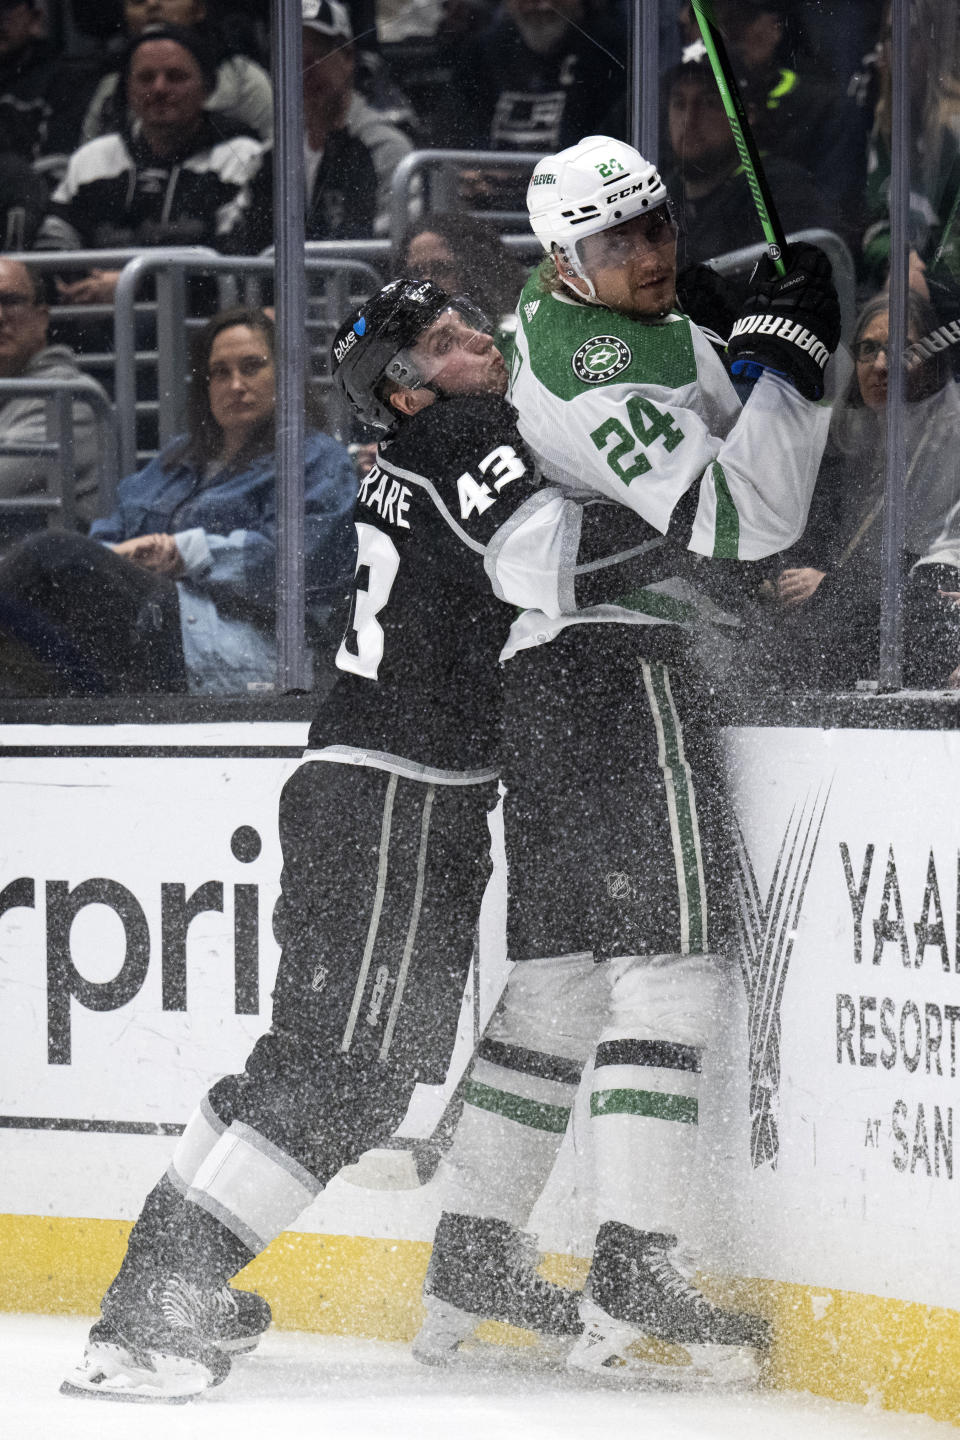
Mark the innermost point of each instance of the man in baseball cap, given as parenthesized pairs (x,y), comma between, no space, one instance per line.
(332,103)
(801,116)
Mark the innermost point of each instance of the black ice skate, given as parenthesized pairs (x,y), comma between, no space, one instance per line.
(484,1269)
(155,1344)
(644,1318)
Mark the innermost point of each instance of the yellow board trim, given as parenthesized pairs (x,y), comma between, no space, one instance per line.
(844,1346)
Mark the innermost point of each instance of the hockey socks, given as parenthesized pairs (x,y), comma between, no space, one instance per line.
(516,1109)
(644,1113)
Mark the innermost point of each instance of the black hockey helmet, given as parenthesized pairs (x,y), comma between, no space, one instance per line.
(373,344)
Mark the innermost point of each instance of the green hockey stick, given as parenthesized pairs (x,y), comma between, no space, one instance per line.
(742,134)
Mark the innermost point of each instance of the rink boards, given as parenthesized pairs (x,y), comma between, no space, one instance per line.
(139,870)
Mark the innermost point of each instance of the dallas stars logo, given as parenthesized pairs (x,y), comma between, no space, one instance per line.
(600,359)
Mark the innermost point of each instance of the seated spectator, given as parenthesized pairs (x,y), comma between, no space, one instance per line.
(25,354)
(538,77)
(799,116)
(27,71)
(708,182)
(935,157)
(175,589)
(172,179)
(350,151)
(464,256)
(242,98)
(825,627)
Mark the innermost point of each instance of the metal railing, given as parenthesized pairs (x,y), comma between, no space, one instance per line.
(101,364)
(443,191)
(59,504)
(347,269)
(171,268)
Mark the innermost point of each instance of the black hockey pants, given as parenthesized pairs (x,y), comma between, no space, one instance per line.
(381,889)
(616,813)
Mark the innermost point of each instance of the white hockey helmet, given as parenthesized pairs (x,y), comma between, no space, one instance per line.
(587,188)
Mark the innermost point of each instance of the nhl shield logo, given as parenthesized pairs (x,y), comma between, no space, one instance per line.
(600,359)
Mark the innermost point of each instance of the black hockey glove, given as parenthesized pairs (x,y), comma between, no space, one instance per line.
(790,323)
(708,298)
(933,358)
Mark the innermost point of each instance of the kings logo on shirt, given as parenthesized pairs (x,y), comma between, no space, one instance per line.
(601,358)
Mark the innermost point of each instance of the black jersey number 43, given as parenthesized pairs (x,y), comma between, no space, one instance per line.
(378,561)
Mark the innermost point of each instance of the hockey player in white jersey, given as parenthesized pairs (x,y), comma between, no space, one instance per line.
(614,813)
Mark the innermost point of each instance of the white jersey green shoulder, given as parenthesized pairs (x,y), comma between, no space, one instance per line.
(642,412)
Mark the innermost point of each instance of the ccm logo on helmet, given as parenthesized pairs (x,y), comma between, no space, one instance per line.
(342,346)
(624,194)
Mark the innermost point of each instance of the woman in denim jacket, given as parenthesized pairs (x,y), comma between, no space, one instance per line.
(179,592)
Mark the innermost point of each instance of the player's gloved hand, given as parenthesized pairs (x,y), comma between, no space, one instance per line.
(708,298)
(790,323)
(933,358)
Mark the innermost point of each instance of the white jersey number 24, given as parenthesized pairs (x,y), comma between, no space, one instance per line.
(362,647)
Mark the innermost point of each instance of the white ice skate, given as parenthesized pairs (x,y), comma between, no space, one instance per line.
(645,1321)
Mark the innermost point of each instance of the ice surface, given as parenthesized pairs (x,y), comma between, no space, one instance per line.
(311,1387)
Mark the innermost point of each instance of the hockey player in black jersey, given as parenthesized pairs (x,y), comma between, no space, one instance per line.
(385,855)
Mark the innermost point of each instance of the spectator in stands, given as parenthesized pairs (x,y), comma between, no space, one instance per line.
(175,589)
(539,76)
(825,628)
(706,178)
(25,354)
(242,98)
(350,151)
(799,116)
(935,158)
(464,256)
(40,100)
(171,179)
(28,66)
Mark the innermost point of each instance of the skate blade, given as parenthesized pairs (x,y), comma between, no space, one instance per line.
(238,1347)
(110,1372)
(724,1367)
(616,1353)
(609,1352)
(453,1337)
